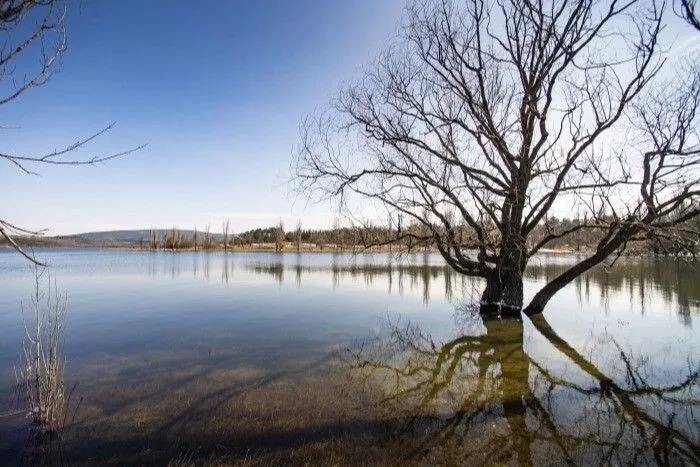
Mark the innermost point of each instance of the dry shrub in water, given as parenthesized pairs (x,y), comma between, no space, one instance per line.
(40,376)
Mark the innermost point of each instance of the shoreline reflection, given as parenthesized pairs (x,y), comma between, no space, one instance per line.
(643,283)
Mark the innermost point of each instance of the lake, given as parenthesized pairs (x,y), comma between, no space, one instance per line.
(264,358)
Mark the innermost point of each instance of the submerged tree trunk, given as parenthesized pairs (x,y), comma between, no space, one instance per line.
(503,294)
(512,294)
(513,259)
(492,296)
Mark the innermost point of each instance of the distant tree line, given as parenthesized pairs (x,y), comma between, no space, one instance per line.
(582,235)
(393,236)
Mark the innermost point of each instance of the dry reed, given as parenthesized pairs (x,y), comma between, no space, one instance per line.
(40,376)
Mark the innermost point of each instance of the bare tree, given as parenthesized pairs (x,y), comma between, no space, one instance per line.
(32,45)
(487,117)
(208,241)
(173,242)
(225,228)
(298,235)
(153,239)
(279,237)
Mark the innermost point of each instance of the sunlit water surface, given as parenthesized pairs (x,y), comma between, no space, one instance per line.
(277,358)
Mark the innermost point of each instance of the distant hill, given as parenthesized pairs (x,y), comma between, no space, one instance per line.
(110,238)
(130,236)
(122,236)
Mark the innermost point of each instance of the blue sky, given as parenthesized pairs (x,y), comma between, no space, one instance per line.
(216,88)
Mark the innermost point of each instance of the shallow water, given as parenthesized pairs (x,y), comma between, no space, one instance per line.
(263,357)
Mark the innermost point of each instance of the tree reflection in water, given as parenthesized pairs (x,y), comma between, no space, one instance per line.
(480,398)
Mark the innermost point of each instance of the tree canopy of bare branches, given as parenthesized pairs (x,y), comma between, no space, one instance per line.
(689,13)
(32,44)
(486,118)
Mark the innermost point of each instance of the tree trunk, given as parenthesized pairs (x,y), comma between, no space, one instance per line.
(503,296)
(492,296)
(512,301)
(504,286)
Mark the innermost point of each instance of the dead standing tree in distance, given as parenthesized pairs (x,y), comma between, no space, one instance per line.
(208,241)
(225,229)
(492,115)
(153,239)
(32,43)
(279,237)
(297,235)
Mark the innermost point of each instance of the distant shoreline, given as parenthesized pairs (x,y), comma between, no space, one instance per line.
(73,243)
(255,248)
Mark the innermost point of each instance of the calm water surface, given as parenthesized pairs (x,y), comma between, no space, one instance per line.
(278,358)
